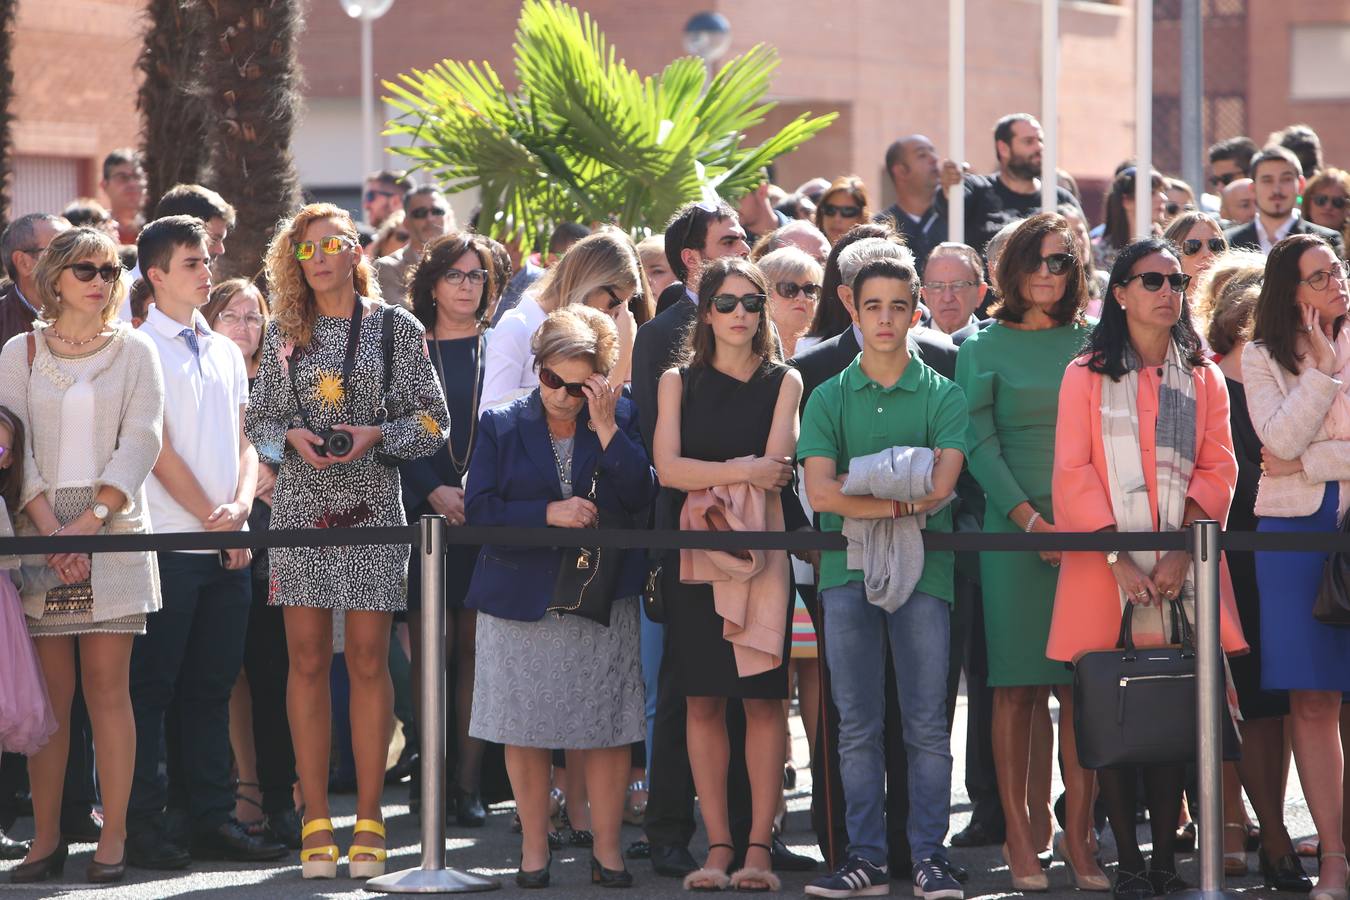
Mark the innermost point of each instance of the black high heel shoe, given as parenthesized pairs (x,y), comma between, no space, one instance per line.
(50,866)
(538,878)
(1285,874)
(610,878)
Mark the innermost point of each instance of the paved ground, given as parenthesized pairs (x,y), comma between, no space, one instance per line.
(493,850)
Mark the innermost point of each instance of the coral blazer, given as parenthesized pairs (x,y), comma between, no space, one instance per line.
(1087,601)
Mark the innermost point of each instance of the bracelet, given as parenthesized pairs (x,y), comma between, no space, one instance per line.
(57,531)
(1031,522)
(895,509)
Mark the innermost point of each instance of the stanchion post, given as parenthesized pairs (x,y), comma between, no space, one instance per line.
(1210,707)
(432,877)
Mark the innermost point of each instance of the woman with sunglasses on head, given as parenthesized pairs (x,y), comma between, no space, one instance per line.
(843,205)
(1199,238)
(601,270)
(1011,372)
(336,414)
(1326,200)
(1296,372)
(1142,443)
(727,419)
(1120,216)
(794,287)
(89,392)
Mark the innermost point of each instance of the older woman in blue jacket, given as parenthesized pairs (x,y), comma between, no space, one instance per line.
(544,681)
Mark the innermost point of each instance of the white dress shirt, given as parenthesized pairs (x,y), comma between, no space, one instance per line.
(508,361)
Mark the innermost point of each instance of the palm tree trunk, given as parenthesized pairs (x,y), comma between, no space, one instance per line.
(170,97)
(8,9)
(253,74)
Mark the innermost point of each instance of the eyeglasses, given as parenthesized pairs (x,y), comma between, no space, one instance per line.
(848,212)
(941,287)
(615,301)
(373,195)
(1321,279)
(1327,199)
(231,318)
(126,177)
(84,271)
(331,246)
(1055,263)
(1225,179)
(423,211)
(789,290)
(1153,281)
(725,303)
(550,379)
(1194,245)
(457,276)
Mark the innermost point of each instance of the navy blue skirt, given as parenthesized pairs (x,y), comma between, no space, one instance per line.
(1298,653)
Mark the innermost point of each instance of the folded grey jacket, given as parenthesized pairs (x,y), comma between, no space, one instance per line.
(889,551)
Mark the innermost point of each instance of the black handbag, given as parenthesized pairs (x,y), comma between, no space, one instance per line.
(654,593)
(1136,706)
(1332,606)
(588,576)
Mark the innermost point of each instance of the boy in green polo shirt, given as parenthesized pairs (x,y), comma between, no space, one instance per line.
(885,399)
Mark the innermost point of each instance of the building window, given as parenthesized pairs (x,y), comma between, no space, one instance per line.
(44,184)
(1319,62)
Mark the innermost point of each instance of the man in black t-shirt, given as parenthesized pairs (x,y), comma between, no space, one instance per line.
(1011,193)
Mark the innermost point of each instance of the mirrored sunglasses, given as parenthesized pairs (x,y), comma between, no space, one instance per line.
(331,246)
(1194,245)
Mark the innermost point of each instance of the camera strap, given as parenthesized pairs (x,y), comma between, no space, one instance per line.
(348,363)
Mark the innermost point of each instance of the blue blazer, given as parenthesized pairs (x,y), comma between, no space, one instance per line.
(512,479)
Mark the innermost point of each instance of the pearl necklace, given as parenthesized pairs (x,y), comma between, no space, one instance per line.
(67,341)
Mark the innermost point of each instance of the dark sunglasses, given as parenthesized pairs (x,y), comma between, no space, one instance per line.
(1225,179)
(1055,263)
(1327,199)
(372,195)
(788,290)
(848,212)
(1153,281)
(423,211)
(549,379)
(1193,246)
(615,301)
(84,271)
(725,303)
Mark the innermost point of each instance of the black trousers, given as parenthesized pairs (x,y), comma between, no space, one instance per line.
(981,775)
(266,663)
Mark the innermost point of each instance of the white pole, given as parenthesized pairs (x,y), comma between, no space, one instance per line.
(1143,119)
(956,115)
(1050,104)
(368,136)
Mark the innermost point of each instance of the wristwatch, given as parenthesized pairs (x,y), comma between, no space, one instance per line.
(1112,557)
(101,511)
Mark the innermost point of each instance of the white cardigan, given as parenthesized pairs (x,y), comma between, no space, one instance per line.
(123,440)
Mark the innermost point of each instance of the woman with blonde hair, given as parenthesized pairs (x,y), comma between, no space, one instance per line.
(601,270)
(328,413)
(92,403)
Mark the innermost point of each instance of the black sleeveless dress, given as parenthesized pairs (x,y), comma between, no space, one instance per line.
(720,419)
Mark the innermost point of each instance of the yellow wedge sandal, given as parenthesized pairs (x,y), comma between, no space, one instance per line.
(320,861)
(366,868)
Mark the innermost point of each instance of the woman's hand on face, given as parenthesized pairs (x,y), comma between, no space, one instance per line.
(1323,353)
(769,473)
(307,444)
(449,502)
(1170,574)
(1138,587)
(578,512)
(1273,465)
(601,400)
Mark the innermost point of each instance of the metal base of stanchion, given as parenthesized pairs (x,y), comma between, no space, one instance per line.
(431,881)
(1199,894)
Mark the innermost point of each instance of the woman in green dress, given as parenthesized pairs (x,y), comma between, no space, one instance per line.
(1011,373)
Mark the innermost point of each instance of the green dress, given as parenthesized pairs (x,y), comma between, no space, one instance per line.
(1011,379)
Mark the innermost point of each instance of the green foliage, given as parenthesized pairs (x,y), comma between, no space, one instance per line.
(586,138)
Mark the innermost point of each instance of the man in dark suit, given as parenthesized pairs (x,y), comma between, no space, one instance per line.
(20,245)
(1278,177)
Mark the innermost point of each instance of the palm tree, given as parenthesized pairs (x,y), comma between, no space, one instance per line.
(170,96)
(585,138)
(8,8)
(253,75)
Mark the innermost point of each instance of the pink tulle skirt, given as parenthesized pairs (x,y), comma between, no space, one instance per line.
(26,718)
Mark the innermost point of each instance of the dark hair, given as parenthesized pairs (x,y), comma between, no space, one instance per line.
(158,240)
(18,235)
(1276,153)
(854,186)
(437,259)
(1021,256)
(501,267)
(1279,321)
(1239,149)
(194,200)
(885,268)
(138,298)
(395,178)
(1108,344)
(119,157)
(702,343)
(1003,129)
(11,478)
(831,316)
(1304,143)
(85,211)
(1117,226)
(688,228)
(565,235)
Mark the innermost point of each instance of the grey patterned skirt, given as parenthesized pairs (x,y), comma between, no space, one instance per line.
(561,682)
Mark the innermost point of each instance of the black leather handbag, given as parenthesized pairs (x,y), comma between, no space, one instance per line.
(588,576)
(654,593)
(1332,606)
(1136,706)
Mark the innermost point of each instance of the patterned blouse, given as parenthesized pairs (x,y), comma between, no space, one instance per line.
(363,492)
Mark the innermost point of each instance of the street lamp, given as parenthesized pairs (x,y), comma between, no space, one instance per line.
(707,35)
(367,11)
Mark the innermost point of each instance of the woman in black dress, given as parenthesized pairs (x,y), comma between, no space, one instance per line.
(451,288)
(728,417)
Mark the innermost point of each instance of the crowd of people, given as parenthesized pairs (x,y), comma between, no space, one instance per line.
(795,361)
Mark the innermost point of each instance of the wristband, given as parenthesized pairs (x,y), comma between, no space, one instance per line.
(1031,522)
(895,509)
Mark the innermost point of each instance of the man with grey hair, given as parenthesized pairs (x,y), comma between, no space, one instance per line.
(427,217)
(21,245)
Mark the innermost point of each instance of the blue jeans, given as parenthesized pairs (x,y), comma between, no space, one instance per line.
(653,636)
(855,650)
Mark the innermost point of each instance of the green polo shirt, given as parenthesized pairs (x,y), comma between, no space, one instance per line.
(851,415)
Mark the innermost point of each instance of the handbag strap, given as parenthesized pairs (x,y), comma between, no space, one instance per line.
(1181,629)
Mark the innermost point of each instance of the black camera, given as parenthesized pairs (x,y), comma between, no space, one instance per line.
(335,442)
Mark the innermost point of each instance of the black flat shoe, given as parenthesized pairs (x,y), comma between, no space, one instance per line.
(469,811)
(1285,874)
(1132,886)
(639,849)
(1166,882)
(151,850)
(976,834)
(671,862)
(284,828)
(50,866)
(231,843)
(610,878)
(106,873)
(784,860)
(538,878)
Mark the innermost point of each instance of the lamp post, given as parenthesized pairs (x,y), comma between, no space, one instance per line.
(367,11)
